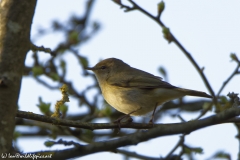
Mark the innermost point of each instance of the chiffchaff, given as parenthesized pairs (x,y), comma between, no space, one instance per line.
(133,91)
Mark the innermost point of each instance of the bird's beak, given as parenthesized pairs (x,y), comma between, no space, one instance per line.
(90,68)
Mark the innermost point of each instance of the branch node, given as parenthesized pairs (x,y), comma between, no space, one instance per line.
(35,48)
(234,98)
(4,81)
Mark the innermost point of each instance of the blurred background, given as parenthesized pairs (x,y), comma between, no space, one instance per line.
(82,33)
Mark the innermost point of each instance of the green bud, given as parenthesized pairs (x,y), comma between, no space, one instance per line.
(197,150)
(64,109)
(161,7)
(166,30)
(73,37)
(63,64)
(234,57)
(84,61)
(37,70)
(222,155)
(54,76)
(167,34)
(163,71)
(44,107)
(49,143)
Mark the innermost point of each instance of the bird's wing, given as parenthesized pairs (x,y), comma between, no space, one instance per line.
(138,79)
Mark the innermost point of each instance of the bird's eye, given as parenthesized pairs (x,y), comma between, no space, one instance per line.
(102,67)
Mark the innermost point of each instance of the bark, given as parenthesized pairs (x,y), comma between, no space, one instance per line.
(15,26)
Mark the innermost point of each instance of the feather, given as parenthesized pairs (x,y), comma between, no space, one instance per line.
(138,79)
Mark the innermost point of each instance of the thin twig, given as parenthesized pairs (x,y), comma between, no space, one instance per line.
(204,111)
(136,155)
(229,78)
(180,142)
(157,19)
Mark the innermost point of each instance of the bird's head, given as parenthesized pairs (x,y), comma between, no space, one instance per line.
(107,68)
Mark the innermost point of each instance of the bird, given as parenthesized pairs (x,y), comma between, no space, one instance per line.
(135,92)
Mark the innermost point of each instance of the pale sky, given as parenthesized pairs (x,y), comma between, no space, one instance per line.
(209,30)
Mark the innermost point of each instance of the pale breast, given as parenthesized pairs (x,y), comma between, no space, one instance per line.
(127,100)
(114,97)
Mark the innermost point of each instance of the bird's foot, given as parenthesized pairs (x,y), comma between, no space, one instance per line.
(118,121)
(151,122)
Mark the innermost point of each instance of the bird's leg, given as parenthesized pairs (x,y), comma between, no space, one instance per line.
(127,115)
(152,117)
(124,116)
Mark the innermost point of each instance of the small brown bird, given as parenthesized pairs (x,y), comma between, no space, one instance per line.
(133,91)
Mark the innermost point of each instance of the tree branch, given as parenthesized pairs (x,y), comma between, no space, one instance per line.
(93,126)
(229,78)
(134,139)
(136,155)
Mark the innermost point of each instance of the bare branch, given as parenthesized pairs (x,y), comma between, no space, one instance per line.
(133,139)
(229,78)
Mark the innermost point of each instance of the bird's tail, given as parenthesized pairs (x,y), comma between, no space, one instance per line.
(190,92)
